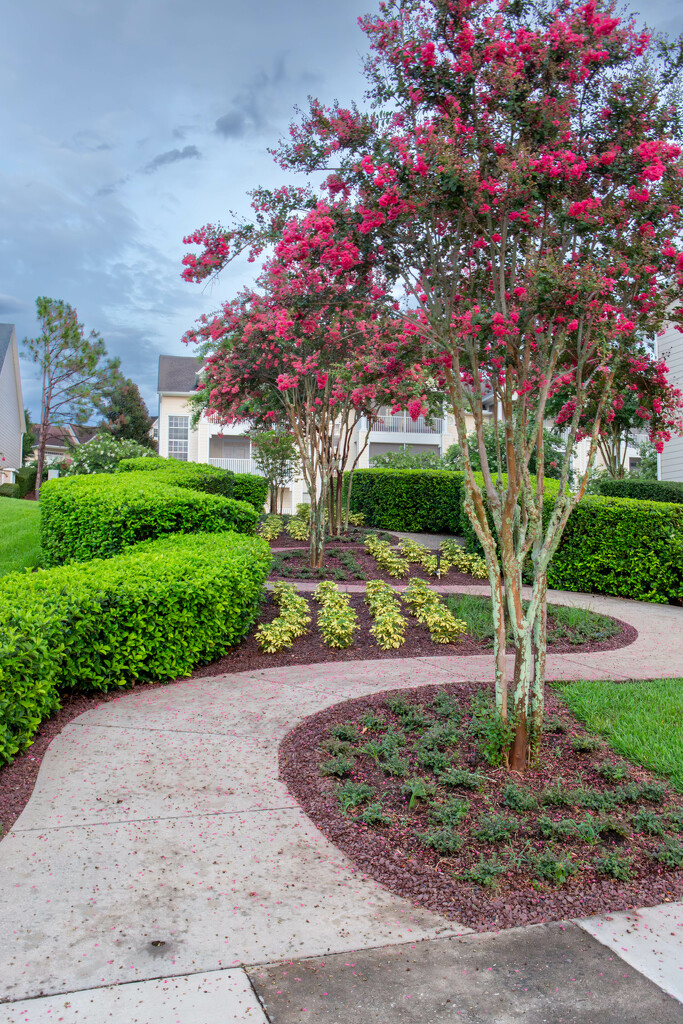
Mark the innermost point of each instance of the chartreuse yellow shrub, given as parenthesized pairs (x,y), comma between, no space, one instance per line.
(291,623)
(303,512)
(271,528)
(457,558)
(150,613)
(337,621)
(298,529)
(428,609)
(389,624)
(357,518)
(386,559)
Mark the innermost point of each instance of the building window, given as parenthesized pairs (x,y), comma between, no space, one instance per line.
(178,437)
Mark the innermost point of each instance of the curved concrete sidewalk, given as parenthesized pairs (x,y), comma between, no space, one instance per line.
(160,843)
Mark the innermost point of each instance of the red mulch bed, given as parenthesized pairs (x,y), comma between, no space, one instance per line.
(334,568)
(17,780)
(393,855)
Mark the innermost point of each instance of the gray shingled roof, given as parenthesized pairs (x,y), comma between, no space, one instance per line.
(5,337)
(178,373)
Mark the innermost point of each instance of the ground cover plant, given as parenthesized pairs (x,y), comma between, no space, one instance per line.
(640,719)
(19,535)
(411,785)
(573,625)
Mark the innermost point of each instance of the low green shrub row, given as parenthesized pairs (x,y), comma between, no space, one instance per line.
(196,476)
(623,547)
(96,516)
(9,491)
(201,476)
(414,501)
(612,545)
(150,613)
(252,488)
(644,490)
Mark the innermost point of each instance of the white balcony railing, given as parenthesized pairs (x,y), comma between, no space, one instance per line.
(236,465)
(401,423)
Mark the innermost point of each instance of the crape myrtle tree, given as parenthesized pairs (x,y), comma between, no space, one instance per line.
(277,459)
(314,350)
(521,174)
(645,401)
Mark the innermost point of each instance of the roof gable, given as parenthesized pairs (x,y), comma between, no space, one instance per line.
(178,374)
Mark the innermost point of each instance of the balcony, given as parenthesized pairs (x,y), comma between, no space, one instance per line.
(401,423)
(236,465)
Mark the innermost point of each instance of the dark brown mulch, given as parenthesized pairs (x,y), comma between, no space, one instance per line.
(393,855)
(17,780)
(354,536)
(335,569)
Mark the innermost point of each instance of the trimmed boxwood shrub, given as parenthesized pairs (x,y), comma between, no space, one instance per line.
(252,488)
(201,476)
(644,490)
(410,500)
(150,613)
(9,491)
(26,480)
(623,547)
(197,476)
(94,516)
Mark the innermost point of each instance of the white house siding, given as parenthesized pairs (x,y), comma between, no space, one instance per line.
(12,424)
(670,348)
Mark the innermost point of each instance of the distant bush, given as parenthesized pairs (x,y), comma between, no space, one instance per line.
(643,490)
(9,491)
(102,454)
(204,477)
(408,500)
(150,613)
(85,517)
(252,488)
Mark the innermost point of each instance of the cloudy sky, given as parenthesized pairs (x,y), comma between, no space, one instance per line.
(126,125)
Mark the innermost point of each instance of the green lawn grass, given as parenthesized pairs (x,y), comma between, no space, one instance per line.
(640,720)
(19,535)
(578,625)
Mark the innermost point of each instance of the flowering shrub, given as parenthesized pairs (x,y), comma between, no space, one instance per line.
(428,609)
(292,622)
(386,559)
(389,626)
(102,454)
(337,621)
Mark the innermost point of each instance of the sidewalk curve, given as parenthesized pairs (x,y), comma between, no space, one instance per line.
(114,873)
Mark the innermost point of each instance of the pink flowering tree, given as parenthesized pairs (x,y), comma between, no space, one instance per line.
(521,175)
(644,402)
(315,349)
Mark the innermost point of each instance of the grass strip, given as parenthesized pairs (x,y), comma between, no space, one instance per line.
(576,625)
(641,720)
(19,535)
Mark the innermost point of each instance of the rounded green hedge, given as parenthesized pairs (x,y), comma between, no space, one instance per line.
(93,516)
(150,613)
(410,500)
(644,490)
(201,476)
(624,547)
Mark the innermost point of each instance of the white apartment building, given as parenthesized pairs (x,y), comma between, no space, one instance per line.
(670,348)
(229,446)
